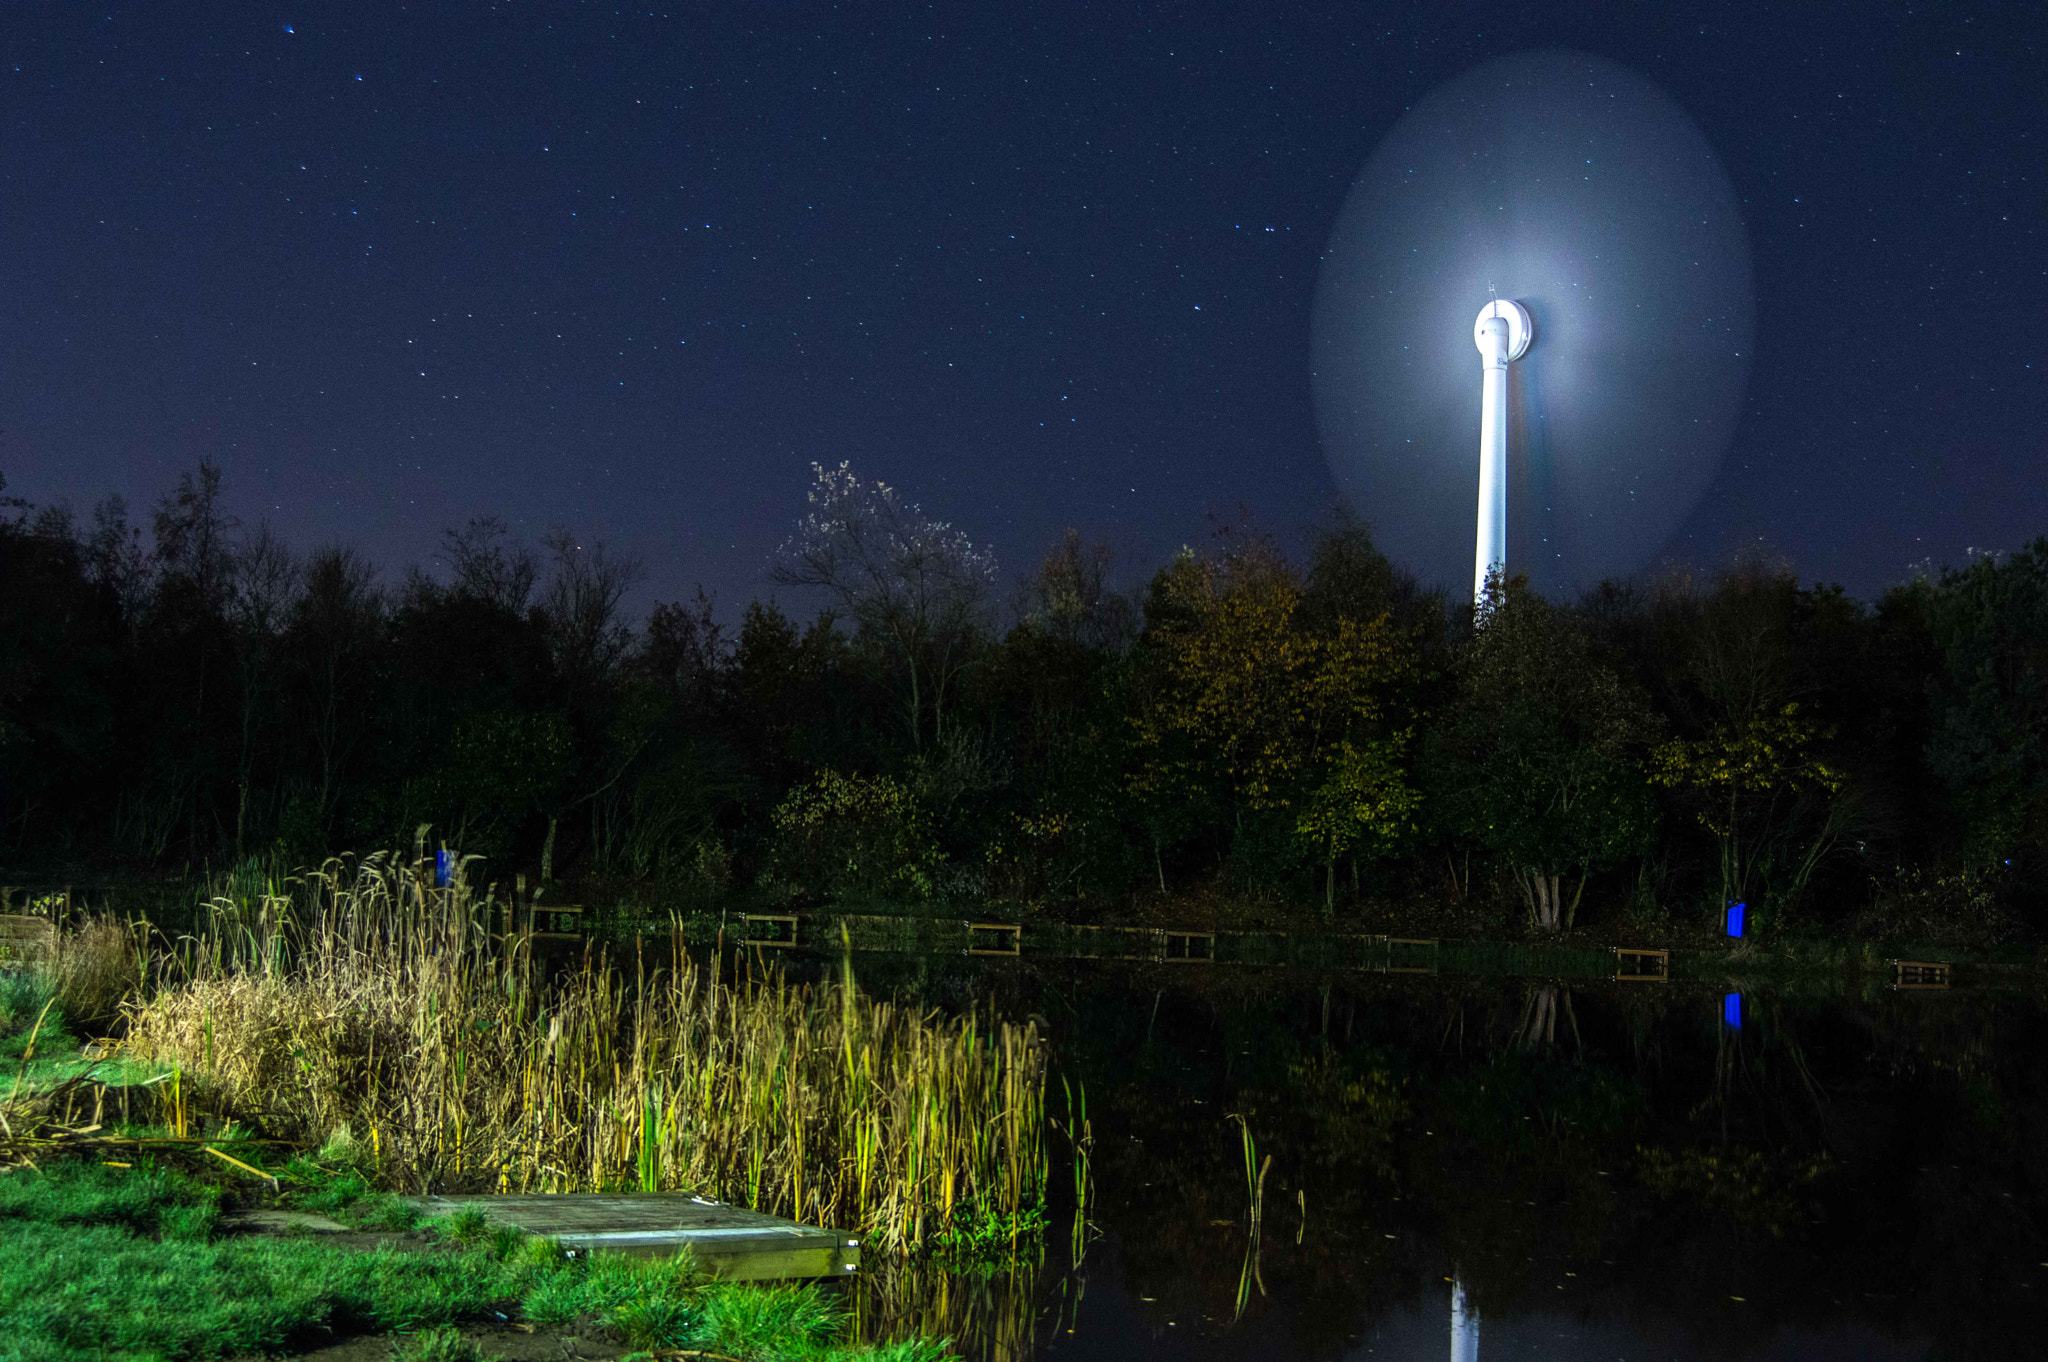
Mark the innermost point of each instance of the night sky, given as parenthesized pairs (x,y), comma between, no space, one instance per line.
(633,272)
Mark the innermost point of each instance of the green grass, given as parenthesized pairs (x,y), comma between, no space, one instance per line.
(443,1343)
(127,1265)
(25,991)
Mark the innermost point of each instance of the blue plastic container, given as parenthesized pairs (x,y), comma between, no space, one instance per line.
(1731,1011)
(444,869)
(1736,912)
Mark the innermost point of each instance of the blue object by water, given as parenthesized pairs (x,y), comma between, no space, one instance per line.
(1731,1011)
(1735,916)
(444,869)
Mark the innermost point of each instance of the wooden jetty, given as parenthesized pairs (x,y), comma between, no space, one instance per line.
(767,929)
(734,1243)
(26,937)
(1920,973)
(1642,966)
(1414,943)
(995,938)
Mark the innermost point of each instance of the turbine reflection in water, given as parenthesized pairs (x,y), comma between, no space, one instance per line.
(1579,188)
(1464,1324)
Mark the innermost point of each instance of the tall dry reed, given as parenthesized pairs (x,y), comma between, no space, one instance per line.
(366,1000)
(94,966)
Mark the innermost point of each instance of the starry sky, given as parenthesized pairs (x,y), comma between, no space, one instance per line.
(632,272)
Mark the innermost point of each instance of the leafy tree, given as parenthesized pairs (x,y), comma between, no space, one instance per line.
(1070,599)
(1739,780)
(1760,679)
(1988,748)
(1242,703)
(1363,801)
(1049,695)
(1539,762)
(796,702)
(504,767)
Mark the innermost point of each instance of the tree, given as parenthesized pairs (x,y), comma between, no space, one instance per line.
(1753,668)
(334,641)
(1539,761)
(581,611)
(61,648)
(194,544)
(190,642)
(1069,599)
(1989,742)
(1241,705)
(683,649)
(488,569)
(503,767)
(1740,779)
(266,575)
(914,587)
(1365,800)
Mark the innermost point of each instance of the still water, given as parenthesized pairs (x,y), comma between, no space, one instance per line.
(1507,1169)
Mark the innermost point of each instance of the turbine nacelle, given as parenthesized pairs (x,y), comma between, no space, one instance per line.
(1504,329)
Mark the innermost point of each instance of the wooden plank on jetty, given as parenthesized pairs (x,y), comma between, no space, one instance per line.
(1104,939)
(767,929)
(1642,966)
(565,921)
(1919,974)
(1435,948)
(26,938)
(995,938)
(734,1243)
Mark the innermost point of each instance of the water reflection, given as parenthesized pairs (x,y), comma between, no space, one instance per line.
(1464,1324)
(1593,1170)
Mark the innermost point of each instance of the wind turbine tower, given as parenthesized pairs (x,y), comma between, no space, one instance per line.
(1502,333)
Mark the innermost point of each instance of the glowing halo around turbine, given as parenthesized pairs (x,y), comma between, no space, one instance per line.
(1580,190)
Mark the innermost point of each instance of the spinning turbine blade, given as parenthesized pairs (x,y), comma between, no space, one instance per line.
(1584,193)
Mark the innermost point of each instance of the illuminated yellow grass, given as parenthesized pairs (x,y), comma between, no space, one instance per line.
(371,1003)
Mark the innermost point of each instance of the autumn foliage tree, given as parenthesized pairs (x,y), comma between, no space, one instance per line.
(1743,782)
(1243,704)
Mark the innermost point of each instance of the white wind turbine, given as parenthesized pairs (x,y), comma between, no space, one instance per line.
(1502,333)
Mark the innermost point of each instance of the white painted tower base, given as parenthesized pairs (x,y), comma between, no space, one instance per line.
(1502,333)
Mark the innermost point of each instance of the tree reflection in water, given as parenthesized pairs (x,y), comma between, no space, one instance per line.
(1853,1168)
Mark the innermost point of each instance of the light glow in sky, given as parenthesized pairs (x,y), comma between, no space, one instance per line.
(1580,189)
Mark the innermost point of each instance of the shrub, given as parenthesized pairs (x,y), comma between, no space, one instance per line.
(861,835)
(24,994)
(1951,908)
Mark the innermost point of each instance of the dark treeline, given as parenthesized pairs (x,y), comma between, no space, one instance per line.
(1321,733)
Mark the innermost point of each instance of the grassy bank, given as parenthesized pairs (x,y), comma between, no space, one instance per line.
(112,1264)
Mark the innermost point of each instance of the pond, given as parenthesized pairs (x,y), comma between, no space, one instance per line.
(1516,1168)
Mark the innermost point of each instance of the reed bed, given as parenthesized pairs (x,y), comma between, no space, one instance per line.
(359,1005)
